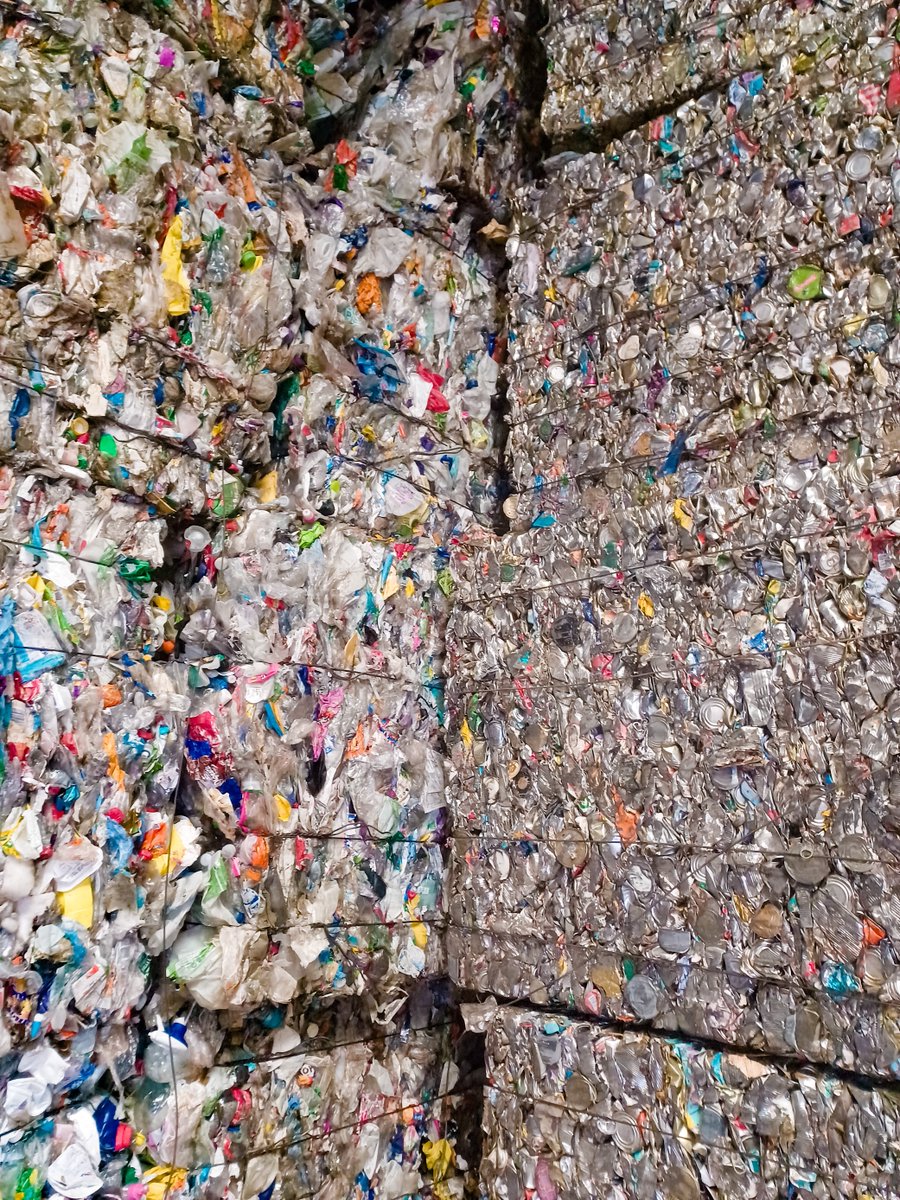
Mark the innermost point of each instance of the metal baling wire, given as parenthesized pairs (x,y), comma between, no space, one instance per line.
(703,452)
(705,555)
(628,1025)
(748,661)
(716,852)
(775,1059)
(446,505)
(277,1148)
(657,848)
(179,445)
(699,452)
(148,435)
(696,1142)
(335,925)
(524,680)
(692,876)
(511,1002)
(661,849)
(633,462)
(615,574)
(39,550)
(769,116)
(142,656)
(313,1046)
(582,402)
(593,15)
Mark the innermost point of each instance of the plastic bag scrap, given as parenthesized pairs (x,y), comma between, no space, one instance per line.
(570,1107)
(148,230)
(205,334)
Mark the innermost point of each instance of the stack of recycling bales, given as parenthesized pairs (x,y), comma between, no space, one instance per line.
(675,678)
(247,402)
(571,1107)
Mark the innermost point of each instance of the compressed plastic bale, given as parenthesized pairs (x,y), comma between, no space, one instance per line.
(398,377)
(241,1102)
(159,232)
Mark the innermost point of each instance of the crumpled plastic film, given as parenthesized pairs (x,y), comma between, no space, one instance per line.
(570,1107)
(390,405)
(468,79)
(316,624)
(610,63)
(316,62)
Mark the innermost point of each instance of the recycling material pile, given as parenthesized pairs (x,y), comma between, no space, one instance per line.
(572,1108)
(609,63)
(321,1102)
(249,352)
(299,304)
(675,678)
